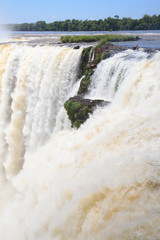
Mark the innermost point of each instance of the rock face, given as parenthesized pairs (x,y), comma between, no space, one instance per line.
(76,47)
(85,59)
(105,51)
(85,82)
(78,109)
(91,59)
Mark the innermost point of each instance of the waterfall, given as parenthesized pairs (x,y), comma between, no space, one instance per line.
(35,83)
(99,182)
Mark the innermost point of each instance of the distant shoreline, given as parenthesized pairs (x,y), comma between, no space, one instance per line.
(147,22)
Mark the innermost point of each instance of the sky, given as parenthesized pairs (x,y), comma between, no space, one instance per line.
(20,11)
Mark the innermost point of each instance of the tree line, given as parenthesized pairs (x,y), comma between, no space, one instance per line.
(108,24)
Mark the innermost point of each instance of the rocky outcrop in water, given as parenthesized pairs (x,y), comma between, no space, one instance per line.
(78,109)
(91,59)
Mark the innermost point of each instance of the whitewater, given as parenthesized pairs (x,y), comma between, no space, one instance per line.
(98,182)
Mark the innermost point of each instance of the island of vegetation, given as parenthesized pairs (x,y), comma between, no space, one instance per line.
(147,22)
(102,38)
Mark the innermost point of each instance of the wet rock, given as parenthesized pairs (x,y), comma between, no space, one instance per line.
(76,47)
(85,60)
(87,67)
(85,82)
(92,65)
(78,109)
(109,50)
(136,47)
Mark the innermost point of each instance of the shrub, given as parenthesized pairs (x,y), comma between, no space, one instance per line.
(71,108)
(104,38)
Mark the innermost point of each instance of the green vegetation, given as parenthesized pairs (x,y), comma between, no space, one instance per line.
(85,82)
(87,110)
(105,55)
(83,38)
(103,41)
(102,38)
(119,80)
(77,112)
(72,108)
(78,109)
(97,58)
(147,22)
(85,59)
(84,71)
(99,54)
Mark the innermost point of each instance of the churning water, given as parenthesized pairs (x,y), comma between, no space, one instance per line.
(100,182)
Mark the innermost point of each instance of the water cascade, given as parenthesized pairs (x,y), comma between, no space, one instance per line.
(100,182)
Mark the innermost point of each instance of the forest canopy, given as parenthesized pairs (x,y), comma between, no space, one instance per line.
(108,24)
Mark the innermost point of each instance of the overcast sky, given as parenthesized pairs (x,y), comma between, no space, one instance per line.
(18,11)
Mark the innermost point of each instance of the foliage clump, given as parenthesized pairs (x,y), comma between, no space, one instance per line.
(102,38)
(72,108)
(105,55)
(115,23)
(82,38)
(85,58)
(85,82)
(79,109)
(77,112)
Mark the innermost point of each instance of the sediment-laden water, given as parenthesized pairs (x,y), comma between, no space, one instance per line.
(99,182)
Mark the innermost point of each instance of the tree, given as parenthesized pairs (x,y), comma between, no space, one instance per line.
(109,24)
(116,16)
(40,26)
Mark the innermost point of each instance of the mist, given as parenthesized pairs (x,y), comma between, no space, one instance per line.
(4,34)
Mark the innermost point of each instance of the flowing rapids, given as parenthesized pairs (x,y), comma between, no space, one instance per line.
(100,182)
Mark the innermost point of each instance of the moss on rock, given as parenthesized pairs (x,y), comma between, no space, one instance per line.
(78,109)
(85,60)
(100,52)
(85,82)
(72,109)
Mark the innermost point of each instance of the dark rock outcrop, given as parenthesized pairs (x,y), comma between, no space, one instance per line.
(76,47)
(88,66)
(85,82)
(136,47)
(107,50)
(85,60)
(78,109)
